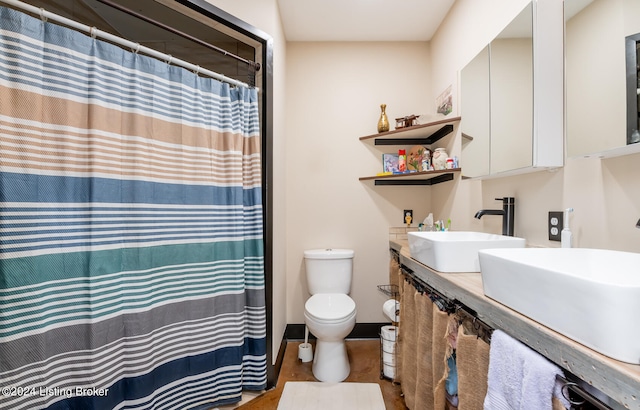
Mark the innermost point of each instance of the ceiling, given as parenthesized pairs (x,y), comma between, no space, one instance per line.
(303,20)
(362,20)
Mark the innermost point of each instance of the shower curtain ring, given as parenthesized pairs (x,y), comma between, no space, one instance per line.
(42,15)
(93,32)
(137,50)
(197,70)
(169,59)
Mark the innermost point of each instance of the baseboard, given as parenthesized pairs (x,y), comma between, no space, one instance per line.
(278,364)
(360,331)
(295,332)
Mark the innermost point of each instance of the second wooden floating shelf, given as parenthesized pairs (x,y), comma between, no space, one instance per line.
(414,178)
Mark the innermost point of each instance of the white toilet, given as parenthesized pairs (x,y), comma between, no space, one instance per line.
(330,314)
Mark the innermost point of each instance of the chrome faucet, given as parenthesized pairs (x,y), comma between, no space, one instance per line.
(507,212)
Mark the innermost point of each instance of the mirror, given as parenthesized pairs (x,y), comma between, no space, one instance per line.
(632,52)
(526,117)
(596,76)
(474,88)
(511,84)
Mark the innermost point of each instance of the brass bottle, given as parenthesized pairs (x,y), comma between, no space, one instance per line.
(383,122)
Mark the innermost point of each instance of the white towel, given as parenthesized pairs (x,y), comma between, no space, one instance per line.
(520,378)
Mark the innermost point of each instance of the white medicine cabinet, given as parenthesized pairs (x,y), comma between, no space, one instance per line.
(512,98)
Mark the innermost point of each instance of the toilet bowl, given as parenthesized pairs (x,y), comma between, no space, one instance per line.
(330,314)
(330,317)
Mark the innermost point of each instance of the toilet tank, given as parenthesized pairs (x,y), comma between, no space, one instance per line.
(329,270)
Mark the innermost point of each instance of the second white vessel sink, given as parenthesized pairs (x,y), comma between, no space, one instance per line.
(456,251)
(589,295)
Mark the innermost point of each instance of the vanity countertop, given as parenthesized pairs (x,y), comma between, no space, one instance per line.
(619,380)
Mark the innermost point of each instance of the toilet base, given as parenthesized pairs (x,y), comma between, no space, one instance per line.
(331,363)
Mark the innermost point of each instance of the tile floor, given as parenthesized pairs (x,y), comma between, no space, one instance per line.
(364,356)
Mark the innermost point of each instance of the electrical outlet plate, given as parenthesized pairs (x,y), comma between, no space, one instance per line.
(408,213)
(555,224)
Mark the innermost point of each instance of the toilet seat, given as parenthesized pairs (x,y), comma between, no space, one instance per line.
(330,307)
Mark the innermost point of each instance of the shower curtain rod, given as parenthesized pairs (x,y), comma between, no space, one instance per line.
(254,66)
(135,47)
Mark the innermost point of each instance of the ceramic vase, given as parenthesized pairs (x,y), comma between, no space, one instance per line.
(383,122)
(439,159)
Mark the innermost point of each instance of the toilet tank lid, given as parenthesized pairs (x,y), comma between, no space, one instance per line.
(329,254)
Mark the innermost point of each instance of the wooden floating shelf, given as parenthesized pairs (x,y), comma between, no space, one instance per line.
(424,134)
(414,178)
(466,137)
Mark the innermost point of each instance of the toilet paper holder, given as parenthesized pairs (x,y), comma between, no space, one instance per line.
(391,309)
(392,291)
(388,352)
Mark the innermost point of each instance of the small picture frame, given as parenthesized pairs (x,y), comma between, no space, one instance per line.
(390,163)
(444,102)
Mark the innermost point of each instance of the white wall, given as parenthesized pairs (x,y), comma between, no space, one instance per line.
(334,92)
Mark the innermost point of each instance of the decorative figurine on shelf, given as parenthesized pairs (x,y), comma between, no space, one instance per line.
(383,122)
(408,121)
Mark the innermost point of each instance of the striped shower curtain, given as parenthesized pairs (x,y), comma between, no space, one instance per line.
(131,238)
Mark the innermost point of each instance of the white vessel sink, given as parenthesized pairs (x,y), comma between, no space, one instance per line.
(589,295)
(456,251)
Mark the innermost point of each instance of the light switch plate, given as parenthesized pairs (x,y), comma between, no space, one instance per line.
(555,223)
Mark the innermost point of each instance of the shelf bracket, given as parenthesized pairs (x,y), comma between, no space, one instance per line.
(409,182)
(445,130)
